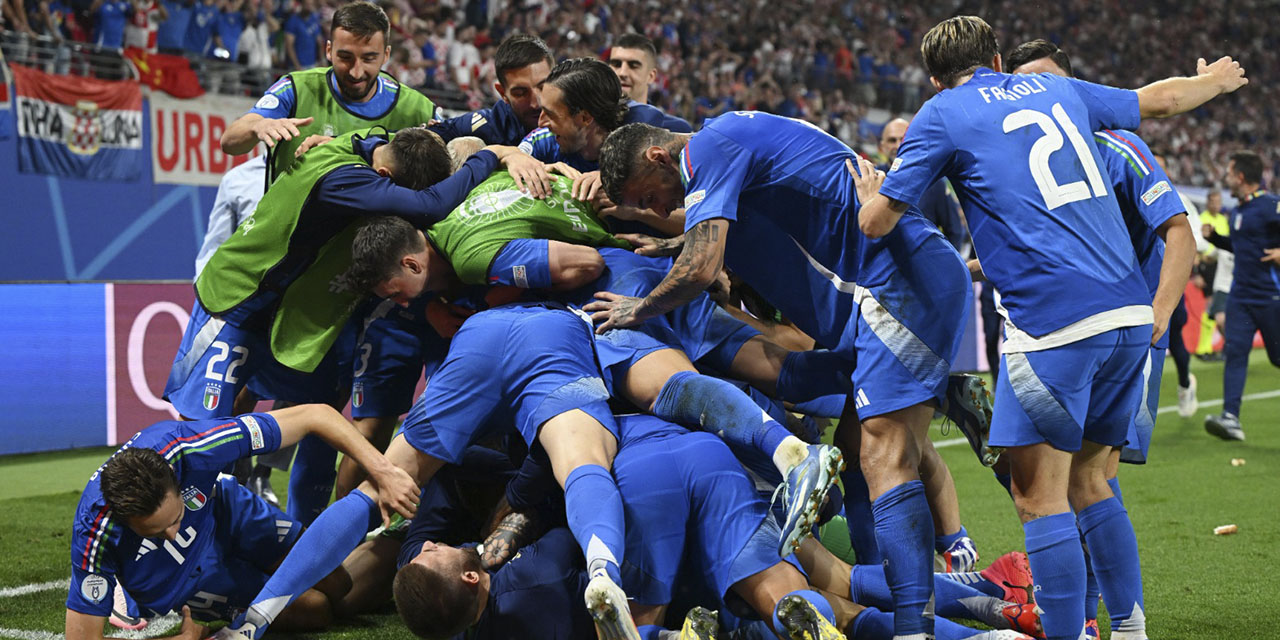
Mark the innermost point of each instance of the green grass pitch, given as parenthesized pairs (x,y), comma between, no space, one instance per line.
(1197,585)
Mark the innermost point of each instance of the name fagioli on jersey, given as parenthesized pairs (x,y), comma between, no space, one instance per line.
(1016,91)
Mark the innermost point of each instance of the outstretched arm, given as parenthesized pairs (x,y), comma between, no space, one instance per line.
(1172,96)
(695,268)
(396,489)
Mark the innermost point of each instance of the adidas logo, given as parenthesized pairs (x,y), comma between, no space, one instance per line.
(147,547)
(860,399)
(283,527)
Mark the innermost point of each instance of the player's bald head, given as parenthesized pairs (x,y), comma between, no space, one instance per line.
(956,47)
(891,137)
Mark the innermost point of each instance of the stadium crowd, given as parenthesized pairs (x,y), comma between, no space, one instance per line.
(827,61)
(597,411)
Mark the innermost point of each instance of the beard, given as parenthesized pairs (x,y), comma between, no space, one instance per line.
(353,93)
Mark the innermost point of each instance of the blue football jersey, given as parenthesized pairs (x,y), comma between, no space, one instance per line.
(1146,197)
(1020,154)
(783,186)
(161,574)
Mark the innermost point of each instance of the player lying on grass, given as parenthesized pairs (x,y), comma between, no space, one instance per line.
(696,523)
(158,519)
(527,368)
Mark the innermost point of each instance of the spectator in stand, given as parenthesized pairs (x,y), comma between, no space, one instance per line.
(227,30)
(110,17)
(424,59)
(144,25)
(303,39)
(14,15)
(200,30)
(59,20)
(464,58)
(171,36)
(255,41)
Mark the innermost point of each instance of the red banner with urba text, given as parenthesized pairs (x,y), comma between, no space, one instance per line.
(186,138)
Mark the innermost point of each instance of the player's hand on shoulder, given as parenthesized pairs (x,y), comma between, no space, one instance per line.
(654,247)
(1228,73)
(272,130)
(530,174)
(310,143)
(1271,255)
(564,170)
(866,178)
(586,186)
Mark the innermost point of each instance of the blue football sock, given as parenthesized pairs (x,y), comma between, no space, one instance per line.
(1114,483)
(857,514)
(1114,551)
(868,587)
(943,542)
(593,507)
(1092,592)
(975,580)
(320,550)
(904,534)
(717,406)
(871,623)
(824,407)
(1057,561)
(820,603)
(808,375)
(312,478)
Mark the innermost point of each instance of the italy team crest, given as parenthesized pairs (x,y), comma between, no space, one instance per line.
(194,498)
(357,394)
(212,392)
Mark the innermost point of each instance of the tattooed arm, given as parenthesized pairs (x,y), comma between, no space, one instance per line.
(695,268)
(515,531)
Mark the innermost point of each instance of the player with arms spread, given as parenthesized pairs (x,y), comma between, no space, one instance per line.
(1078,313)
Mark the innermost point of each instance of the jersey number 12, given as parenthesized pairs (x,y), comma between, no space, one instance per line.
(1056,195)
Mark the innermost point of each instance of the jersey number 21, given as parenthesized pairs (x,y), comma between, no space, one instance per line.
(1056,195)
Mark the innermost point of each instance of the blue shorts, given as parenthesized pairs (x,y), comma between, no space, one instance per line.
(1086,390)
(1143,423)
(684,491)
(217,359)
(620,349)
(908,332)
(391,355)
(710,335)
(250,538)
(524,263)
(521,364)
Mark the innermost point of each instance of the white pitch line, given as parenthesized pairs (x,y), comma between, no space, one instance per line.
(34,588)
(1213,403)
(156,627)
(1261,395)
(23,634)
